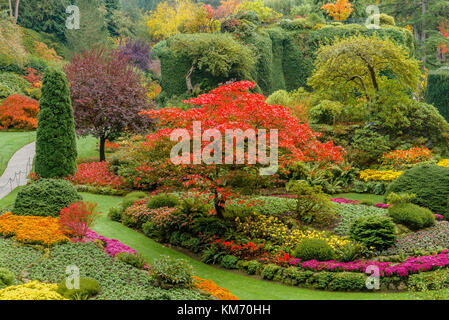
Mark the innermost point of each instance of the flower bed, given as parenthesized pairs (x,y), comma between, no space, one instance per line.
(96,174)
(380,175)
(210,287)
(111,246)
(33,290)
(32,229)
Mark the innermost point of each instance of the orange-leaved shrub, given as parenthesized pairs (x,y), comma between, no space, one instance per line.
(19,112)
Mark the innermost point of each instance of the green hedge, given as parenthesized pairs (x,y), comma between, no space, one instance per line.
(438,91)
(284,56)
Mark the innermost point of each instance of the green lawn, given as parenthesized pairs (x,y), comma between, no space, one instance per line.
(360,196)
(10,142)
(245,287)
(87,147)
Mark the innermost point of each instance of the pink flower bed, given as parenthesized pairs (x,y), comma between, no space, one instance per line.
(438,216)
(402,269)
(113,246)
(343,200)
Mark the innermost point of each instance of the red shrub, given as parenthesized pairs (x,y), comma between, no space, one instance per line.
(96,174)
(19,112)
(78,217)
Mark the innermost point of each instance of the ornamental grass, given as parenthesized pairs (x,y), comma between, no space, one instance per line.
(32,229)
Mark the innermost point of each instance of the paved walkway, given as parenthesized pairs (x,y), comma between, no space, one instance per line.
(19,166)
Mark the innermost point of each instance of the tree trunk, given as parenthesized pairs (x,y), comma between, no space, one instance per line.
(102,143)
(189,77)
(423,32)
(10,9)
(373,77)
(16,14)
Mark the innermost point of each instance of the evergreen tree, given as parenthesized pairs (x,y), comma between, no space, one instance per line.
(111,7)
(55,139)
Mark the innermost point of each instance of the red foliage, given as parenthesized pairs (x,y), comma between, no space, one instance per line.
(33,77)
(78,217)
(96,174)
(19,112)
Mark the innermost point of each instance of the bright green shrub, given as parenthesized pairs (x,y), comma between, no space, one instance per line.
(348,281)
(385,19)
(310,249)
(327,112)
(373,231)
(167,273)
(253,266)
(437,89)
(279,97)
(270,271)
(5,91)
(432,280)
(229,262)
(55,137)
(134,259)
(7,278)
(88,287)
(400,198)
(350,212)
(131,198)
(115,214)
(45,197)
(16,83)
(163,200)
(428,182)
(412,216)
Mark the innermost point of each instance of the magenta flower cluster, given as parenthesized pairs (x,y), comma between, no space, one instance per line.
(438,216)
(343,200)
(402,269)
(112,247)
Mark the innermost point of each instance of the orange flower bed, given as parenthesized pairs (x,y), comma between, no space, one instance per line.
(19,112)
(210,287)
(32,229)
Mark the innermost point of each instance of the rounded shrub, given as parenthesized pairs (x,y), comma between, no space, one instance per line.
(428,182)
(373,231)
(229,262)
(88,287)
(412,216)
(131,198)
(134,259)
(115,214)
(168,273)
(45,197)
(313,249)
(163,200)
(7,278)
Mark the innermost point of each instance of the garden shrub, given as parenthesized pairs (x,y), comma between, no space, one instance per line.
(253,267)
(412,216)
(115,214)
(350,212)
(13,81)
(437,88)
(167,273)
(432,280)
(326,112)
(429,184)
(310,249)
(18,112)
(279,97)
(348,281)
(88,287)
(374,231)
(45,197)
(56,151)
(7,278)
(229,262)
(210,226)
(134,259)
(270,271)
(151,231)
(162,200)
(193,244)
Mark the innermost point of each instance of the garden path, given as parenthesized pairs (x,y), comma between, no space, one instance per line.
(19,166)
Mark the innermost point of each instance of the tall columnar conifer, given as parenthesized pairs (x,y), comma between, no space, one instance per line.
(55,141)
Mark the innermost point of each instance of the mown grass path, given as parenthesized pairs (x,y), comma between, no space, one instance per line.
(244,287)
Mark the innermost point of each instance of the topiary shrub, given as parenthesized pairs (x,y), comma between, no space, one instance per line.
(169,273)
(7,278)
(428,182)
(229,262)
(412,216)
(88,287)
(45,197)
(373,231)
(55,137)
(310,249)
(163,200)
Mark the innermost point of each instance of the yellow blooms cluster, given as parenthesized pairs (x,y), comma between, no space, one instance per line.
(444,163)
(271,228)
(380,175)
(33,290)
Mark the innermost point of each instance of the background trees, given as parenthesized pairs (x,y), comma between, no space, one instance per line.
(107,94)
(55,138)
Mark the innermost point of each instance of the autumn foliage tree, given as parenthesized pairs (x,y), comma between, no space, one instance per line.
(340,10)
(18,112)
(107,94)
(229,107)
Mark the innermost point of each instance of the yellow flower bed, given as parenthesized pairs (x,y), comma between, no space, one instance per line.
(271,228)
(33,290)
(444,163)
(380,175)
